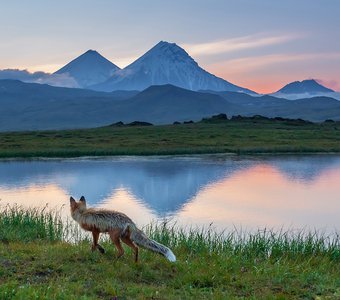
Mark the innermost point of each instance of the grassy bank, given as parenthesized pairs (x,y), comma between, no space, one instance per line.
(263,265)
(244,136)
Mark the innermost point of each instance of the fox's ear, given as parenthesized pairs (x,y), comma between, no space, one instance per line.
(82,199)
(72,200)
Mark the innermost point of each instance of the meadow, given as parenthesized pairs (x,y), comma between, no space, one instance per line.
(38,260)
(43,256)
(254,135)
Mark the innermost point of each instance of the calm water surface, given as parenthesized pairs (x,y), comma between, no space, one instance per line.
(241,192)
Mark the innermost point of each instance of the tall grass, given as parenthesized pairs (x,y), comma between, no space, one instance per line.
(30,224)
(24,225)
(261,244)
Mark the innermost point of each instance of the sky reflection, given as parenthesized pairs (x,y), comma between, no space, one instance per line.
(248,192)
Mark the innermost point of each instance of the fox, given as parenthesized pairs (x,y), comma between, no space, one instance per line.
(119,227)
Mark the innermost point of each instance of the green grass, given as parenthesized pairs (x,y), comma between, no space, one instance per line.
(261,265)
(245,136)
(25,225)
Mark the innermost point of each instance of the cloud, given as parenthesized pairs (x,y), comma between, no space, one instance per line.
(60,80)
(236,44)
(247,64)
(22,75)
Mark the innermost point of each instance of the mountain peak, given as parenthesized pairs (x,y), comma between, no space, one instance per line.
(91,51)
(165,51)
(305,86)
(165,45)
(88,56)
(89,68)
(311,81)
(166,63)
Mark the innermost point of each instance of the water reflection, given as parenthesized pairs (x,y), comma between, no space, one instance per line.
(261,196)
(250,192)
(162,184)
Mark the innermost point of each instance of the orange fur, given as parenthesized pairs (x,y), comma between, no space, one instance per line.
(119,227)
(115,234)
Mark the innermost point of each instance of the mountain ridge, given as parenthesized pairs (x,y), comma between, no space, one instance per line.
(166,63)
(28,106)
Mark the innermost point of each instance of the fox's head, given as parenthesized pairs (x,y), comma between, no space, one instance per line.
(79,206)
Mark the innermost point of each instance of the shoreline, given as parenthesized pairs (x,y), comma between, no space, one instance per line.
(176,155)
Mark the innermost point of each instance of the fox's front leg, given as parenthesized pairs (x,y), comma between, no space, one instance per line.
(95,244)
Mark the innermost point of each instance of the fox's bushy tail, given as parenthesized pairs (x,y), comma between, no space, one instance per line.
(140,238)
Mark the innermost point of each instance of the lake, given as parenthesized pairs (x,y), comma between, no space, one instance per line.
(293,192)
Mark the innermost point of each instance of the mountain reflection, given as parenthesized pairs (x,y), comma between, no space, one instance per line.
(163,185)
(304,168)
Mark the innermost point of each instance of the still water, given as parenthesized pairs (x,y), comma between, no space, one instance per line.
(244,192)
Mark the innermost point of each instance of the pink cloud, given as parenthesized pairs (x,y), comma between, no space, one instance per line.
(268,73)
(236,44)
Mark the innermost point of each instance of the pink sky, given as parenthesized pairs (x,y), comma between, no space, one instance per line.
(261,45)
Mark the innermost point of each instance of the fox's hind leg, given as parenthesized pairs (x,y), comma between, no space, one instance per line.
(115,235)
(95,245)
(127,240)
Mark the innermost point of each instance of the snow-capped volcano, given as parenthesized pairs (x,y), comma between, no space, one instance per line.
(89,68)
(305,86)
(305,89)
(166,63)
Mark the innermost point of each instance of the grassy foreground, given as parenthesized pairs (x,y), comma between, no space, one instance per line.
(263,265)
(244,135)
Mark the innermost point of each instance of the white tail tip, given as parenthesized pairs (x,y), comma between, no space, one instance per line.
(170,256)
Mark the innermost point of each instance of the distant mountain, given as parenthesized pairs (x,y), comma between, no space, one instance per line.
(28,106)
(21,92)
(305,86)
(165,104)
(315,109)
(88,69)
(249,102)
(305,89)
(25,106)
(166,63)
